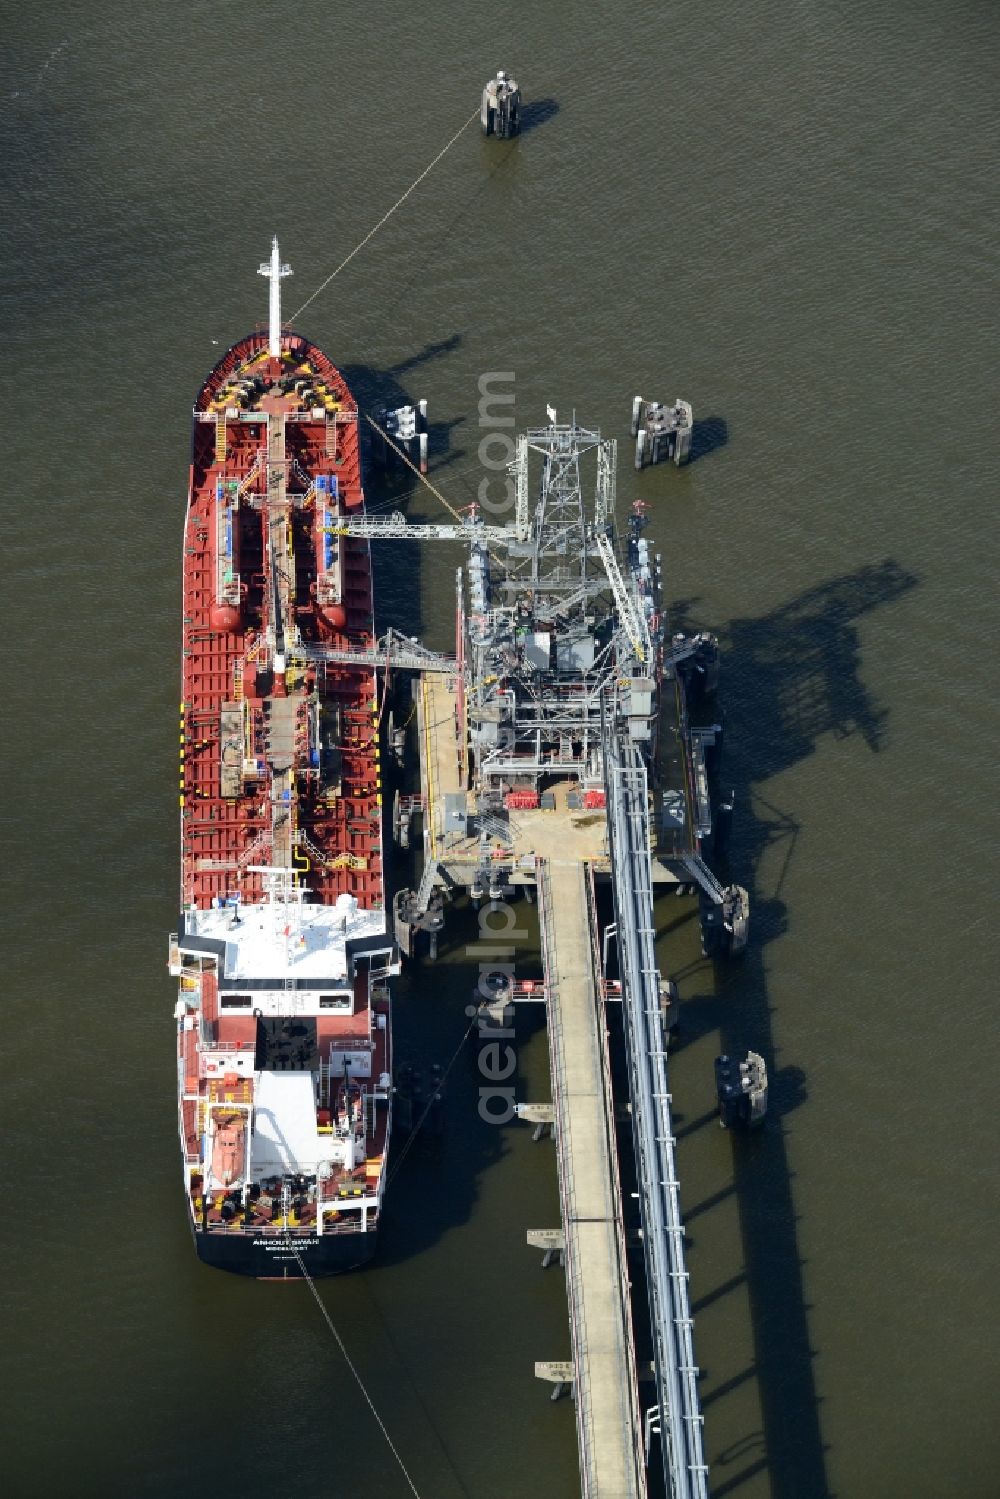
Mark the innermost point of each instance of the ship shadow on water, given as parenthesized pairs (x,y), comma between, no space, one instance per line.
(791,677)
(435,1172)
(391,486)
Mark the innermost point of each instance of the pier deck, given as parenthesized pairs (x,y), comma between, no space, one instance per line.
(562,849)
(440,778)
(607,1411)
(579,834)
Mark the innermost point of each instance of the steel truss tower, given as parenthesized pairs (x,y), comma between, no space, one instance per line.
(552,623)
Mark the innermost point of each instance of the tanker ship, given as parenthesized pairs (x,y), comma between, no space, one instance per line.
(283,952)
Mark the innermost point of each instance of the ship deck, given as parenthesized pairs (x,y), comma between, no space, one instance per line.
(265,432)
(284,1042)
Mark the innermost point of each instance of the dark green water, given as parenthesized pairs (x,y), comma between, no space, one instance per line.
(785,213)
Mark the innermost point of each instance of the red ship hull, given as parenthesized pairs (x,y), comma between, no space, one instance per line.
(217,830)
(284,1033)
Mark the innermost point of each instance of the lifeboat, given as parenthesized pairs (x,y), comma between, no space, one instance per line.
(229,1148)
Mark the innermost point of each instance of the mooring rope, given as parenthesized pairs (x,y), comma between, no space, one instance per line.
(423,479)
(361,1384)
(430,1102)
(385,217)
(472,1023)
(347,260)
(410,465)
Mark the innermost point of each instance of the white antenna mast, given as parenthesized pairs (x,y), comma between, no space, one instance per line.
(274,270)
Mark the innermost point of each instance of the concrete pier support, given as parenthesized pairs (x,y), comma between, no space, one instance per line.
(662,431)
(541,1115)
(552,1241)
(406,426)
(559,1375)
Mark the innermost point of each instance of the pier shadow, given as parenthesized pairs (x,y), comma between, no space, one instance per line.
(537,112)
(434,1173)
(708,435)
(791,677)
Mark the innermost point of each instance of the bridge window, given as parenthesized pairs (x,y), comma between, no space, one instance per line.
(235,1001)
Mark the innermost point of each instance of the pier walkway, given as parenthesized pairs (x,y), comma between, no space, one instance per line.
(607,1407)
(562,850)
(679,1410)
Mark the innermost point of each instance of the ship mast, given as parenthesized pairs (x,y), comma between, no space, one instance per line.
(274,270)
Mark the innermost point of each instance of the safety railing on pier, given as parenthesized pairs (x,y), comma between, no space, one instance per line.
(630,1376)
(685,1470)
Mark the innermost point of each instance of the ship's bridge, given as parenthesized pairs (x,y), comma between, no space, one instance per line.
(295,943)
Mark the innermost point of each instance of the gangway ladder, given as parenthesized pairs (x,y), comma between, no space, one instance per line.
(703,877)
(491,826)
(220,437)
(292,993)
(426,886)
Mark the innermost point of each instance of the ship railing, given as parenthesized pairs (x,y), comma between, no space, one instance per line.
(182,1094)
(279,1230)
(265,1230)
(339,1227)
(349,1204)
(329,1191)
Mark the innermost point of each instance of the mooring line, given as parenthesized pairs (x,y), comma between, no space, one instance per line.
(472,1023)
(422,477)
(361,1384)
(411,465)
(385,217)
(430,1102)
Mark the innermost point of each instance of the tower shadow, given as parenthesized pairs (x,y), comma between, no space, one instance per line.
(708,434)
(791,678)
(537,112)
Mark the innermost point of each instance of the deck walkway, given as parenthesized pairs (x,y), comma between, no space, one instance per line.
(611,1463)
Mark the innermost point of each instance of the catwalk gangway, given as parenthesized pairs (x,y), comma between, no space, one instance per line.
(679,1409)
